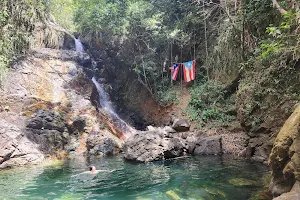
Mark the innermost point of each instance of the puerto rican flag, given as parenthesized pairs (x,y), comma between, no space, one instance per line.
(174,71)
(189,71)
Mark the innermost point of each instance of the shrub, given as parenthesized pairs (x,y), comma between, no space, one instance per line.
(208,105)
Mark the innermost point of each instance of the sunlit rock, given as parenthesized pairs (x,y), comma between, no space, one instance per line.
(172,195)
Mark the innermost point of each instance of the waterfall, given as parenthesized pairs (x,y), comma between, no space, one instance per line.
(105,104)
(103,99)
(78,46)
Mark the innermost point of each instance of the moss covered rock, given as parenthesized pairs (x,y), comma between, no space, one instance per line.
(284,158)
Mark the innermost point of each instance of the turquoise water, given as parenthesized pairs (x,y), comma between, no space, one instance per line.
(188,178)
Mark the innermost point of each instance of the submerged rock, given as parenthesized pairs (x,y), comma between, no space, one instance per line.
(172,195)
(243,182)
(71,197)
(216,192)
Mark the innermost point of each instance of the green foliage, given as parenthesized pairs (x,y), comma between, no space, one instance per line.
(226,54)
(17,23)
(167,96)
(208,105)
(63,12)
(140,33)
(259,14)
(283,38)
(268,91)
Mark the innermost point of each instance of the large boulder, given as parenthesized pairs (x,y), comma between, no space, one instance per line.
(154,145)
(284,158)
(181,125)
(209,146)
(201,144)
(102,143)
(145,146)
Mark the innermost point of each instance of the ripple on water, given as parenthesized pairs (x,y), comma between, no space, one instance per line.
(190,178)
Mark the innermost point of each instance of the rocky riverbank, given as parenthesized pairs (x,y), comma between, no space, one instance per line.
(46,110)
(171,142)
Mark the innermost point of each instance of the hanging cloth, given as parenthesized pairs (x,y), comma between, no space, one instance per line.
(174,71)
(189,71)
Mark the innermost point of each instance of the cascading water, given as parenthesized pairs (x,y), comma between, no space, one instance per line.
(78,46)
(105,103)
(103,98)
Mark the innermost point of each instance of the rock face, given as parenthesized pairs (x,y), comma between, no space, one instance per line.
(16,149)
(47,110)
(284,159)
(158,144)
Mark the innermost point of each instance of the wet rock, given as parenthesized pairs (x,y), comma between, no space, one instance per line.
(46,129)
(216,192)
(68,42)
(201,144)
(198,193)
(261,195)
(181,125)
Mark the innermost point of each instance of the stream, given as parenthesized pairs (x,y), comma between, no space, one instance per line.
(206,178)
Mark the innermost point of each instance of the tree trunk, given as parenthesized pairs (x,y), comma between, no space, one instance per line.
(281,10)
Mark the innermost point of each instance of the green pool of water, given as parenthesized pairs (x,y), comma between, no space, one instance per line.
(207,178)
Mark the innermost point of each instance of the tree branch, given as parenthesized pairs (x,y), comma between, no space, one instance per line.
(281,10)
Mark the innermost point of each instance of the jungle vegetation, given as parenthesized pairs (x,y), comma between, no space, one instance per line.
(247,51)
